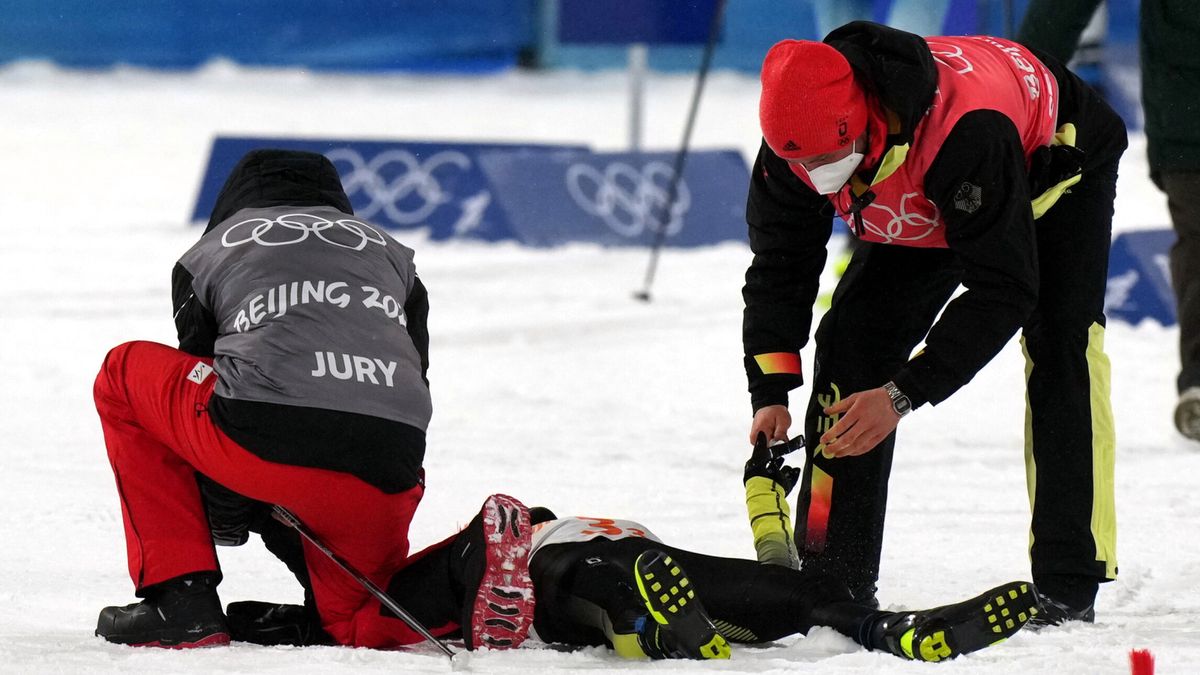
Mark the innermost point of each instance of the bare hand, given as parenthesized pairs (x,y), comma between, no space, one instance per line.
(772,420)
(867,417)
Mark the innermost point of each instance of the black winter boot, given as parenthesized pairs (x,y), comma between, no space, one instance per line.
(272,624)
(178,613)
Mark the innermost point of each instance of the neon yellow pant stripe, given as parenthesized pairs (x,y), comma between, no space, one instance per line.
(1104,452)
(1104,448)
(1030,462)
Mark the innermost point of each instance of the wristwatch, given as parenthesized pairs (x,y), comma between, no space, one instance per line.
(900,402)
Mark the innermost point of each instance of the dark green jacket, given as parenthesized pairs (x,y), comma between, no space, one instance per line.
(1170,52)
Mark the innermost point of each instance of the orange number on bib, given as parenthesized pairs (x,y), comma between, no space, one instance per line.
(608,527)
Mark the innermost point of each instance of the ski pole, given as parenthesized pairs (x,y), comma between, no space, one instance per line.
(290,519)
(714,30)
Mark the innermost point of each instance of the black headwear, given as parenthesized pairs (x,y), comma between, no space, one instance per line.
(279,178)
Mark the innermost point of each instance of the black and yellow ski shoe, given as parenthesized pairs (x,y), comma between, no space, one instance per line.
(946,632)
(685,631)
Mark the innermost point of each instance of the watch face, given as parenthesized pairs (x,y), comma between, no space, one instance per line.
(902,405)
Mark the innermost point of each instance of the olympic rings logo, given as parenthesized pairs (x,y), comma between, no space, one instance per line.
(293,228)
(900,227)
(416,183)
(627,200)
(951,56)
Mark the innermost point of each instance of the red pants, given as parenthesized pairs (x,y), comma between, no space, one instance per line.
(153,405)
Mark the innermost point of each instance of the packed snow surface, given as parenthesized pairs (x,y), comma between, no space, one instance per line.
(550,383)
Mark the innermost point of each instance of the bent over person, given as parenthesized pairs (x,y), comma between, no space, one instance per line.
(969,161)
(300,380)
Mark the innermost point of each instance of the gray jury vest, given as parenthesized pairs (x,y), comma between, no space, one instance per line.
(309,303)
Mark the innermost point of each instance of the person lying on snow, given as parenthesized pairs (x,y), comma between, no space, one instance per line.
(606,581)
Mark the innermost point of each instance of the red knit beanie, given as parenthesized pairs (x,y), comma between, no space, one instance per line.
(810,102)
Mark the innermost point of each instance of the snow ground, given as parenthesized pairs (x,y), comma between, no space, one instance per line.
(550,383)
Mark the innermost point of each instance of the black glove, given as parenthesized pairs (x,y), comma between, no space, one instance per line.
(767,461)
(1051,165)
(230,515)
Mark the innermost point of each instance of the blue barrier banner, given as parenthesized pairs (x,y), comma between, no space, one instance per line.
(679,22)
(619,199)
(396,184)
(1139,278)
(349,34)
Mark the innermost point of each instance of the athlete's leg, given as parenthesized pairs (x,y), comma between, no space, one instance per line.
(753,602)
(586,594)
(585,587)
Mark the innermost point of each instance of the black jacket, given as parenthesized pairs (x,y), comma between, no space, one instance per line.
(790,224)
(384,453)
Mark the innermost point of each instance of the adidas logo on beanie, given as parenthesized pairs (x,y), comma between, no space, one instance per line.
(810,103)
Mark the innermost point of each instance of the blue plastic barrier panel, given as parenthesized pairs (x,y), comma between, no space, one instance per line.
(1139,278)
(395,184)
(619,199)
(467,35)
(616,22)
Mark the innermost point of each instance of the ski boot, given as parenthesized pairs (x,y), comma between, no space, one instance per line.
(684,630)
(965,627)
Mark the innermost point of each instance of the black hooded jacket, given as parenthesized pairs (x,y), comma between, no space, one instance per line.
(385,453)
(896,66)
(790,224)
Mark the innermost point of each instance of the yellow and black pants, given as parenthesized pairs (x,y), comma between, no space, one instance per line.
(882,308)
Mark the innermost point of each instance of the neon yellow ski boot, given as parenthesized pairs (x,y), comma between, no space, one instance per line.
(946,632)
(684,629)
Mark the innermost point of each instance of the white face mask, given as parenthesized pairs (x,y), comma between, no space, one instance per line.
(829,178)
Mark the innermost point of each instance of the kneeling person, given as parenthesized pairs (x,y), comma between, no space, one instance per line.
(300,380)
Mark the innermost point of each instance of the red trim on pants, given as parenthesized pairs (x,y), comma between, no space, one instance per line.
(159,434)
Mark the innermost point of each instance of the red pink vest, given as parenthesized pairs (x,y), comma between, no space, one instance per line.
(974,73)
